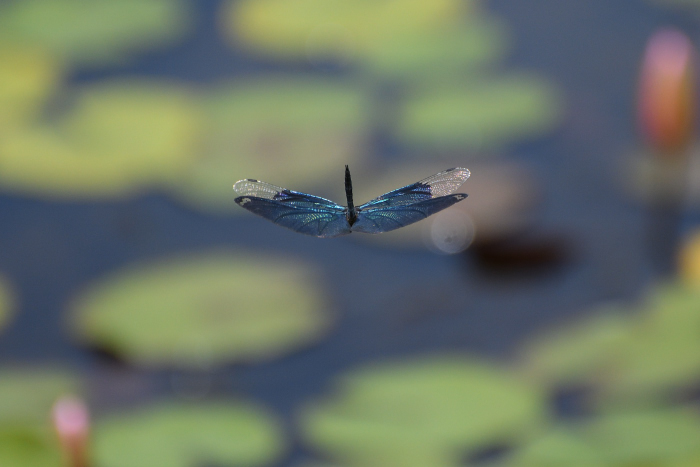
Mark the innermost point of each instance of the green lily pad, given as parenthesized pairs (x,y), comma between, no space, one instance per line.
(27,395)
(449,50)
(560,447)
(479,114)
(427,412)
(579,353)
(646,438)
(288,131)
(27,78)
(337,28)
(662,354)
(29,447)
(116,139)
(178,435)
(203,310)
(92,32)
(656,438)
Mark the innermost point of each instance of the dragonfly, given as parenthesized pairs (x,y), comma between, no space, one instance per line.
(320,217)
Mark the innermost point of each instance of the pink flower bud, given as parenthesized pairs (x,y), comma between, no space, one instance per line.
(71,420)
(667,92)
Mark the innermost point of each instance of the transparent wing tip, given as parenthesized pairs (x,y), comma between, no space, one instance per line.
(465,173)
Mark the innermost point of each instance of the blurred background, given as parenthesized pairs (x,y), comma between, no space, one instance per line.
(551,319)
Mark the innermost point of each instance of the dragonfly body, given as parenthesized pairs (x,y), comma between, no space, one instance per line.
(313,215)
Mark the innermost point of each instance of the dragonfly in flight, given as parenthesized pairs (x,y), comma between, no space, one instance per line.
(313,215)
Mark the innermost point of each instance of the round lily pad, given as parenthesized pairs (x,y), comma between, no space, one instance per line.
(479,113)
(203,310)
(27,78)
(290,131)
(180,435)
(116,139)
(92,32)
(430,411)
(337,29)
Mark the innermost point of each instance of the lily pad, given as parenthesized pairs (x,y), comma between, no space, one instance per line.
(656,438)
(27,78)
(203,310)
(29,447)
(92,32)
(337,28)
(426,412)
(662,353)
(479,114)
(631,359)
(452,49)
(26,397)
(115,140)
(27,394)
(581,352)
(179,435)
(288,131)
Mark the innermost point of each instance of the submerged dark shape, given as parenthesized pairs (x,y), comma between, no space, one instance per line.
(312,215)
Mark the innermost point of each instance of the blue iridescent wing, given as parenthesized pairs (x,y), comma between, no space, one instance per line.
(307,214)
(440,184)
(385,219)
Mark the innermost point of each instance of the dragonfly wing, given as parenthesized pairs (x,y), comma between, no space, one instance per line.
(256,188)
(378,220)
(440,184)
(303,213)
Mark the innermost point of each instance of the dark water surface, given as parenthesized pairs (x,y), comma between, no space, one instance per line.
(390,303)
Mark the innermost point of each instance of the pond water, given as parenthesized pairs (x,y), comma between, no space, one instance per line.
(388,302)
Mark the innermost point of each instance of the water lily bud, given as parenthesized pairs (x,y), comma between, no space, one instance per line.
(667,92)
(71,420)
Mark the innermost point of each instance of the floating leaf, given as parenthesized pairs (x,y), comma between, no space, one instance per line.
(92,32)
(662,354)
(426,412)
(451,49)
(329,29)
(29,447)
(26,398)
(669,437)
(203,310)
(579,353)
(27,394)
(646,438)
(288,131)
(177,435)
(479,114)
(115,140)
(27,78)
(558,448)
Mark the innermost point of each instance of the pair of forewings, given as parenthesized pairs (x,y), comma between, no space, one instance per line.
(313,215)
